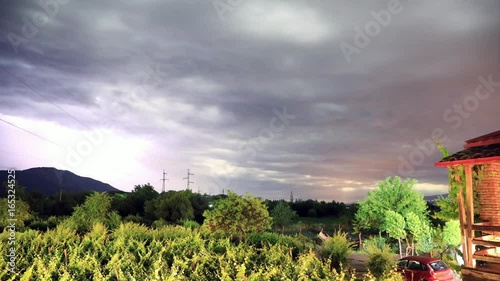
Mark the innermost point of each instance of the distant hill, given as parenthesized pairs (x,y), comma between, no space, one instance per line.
(432,198)
(50,180)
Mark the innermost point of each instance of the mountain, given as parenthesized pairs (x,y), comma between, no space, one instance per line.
(50,180)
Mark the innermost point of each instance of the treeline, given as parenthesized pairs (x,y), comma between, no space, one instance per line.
(319,209)
(145,205)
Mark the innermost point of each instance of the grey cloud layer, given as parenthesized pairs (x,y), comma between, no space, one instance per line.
(217,82)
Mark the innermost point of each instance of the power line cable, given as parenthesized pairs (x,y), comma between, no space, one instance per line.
(35,91)
(31,133)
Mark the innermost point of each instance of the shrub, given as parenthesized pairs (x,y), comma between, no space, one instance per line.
(159,223)
(170,232)
(98,231)
(309,267)
(190,224)
(337,248)
(132,230)
(391,275)
(261,239)
(52,221)
(39,225)
(114,220)
(376,241)
(132,218)
(380,261)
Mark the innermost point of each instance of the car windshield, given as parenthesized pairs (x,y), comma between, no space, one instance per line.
(438,265)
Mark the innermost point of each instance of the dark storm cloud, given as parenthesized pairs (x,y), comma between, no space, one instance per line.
(206,88)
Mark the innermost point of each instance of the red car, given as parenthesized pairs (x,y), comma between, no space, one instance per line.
(425,269)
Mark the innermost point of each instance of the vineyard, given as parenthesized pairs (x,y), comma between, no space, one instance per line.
(136,252)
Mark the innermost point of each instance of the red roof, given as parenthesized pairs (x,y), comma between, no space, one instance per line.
(477,150)
(491,138)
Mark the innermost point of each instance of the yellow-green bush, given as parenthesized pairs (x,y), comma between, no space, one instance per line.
(135,252)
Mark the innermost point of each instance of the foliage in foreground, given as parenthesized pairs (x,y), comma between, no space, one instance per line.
(380,260)
(135,252)
(337,248)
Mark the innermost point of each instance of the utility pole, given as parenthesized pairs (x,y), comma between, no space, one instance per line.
(187,178)
(163,180)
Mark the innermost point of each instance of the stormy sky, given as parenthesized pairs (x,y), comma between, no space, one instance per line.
(322,98)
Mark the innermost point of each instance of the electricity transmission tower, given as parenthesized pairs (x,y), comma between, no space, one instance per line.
(187,178)
(163,180)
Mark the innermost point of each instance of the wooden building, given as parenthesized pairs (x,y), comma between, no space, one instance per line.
(480,236)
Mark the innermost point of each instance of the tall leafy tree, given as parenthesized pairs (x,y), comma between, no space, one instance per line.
(420,232)
(140,195)
(451,233)
(200,203)
(392,194)
(394,225)
(172,206)
(283,215)
(238,216)
(175,208)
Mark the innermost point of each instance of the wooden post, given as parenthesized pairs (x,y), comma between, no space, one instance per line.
(461,215)
(470,213)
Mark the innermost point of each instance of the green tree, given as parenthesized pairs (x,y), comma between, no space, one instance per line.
(451,233)
(96,208)
(394,225)
(140,195)
(18,210)
(446,238)
(200,203)
(394,195)
(175,207)
(238,216)
(172,206)
(420,231)
(283,215)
